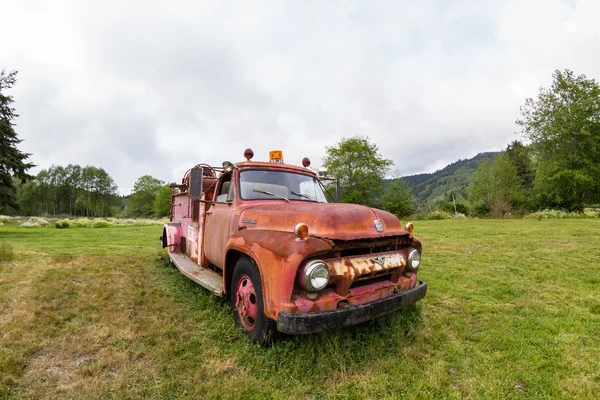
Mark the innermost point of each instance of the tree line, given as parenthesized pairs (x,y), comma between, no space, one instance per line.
(72,190)
(558,167)
(88,191)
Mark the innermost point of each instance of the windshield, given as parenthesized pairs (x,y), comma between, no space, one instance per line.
(270,184)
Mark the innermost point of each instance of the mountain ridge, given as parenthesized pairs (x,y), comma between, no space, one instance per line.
(436,188)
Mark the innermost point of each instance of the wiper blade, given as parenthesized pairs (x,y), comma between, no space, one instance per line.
(300,195)
(271,194)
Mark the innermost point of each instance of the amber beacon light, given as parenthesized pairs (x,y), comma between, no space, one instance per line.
(276,156)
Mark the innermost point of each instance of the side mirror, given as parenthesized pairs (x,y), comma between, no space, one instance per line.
(196,176)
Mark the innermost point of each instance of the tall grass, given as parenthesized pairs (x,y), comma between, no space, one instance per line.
(6,252)
(62,223)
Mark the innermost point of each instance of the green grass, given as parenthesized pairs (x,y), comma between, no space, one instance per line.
(513,311)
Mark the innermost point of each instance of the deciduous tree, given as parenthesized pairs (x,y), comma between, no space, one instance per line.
(359,167)
(162,202)
(141,201)
(563,125)
(496,188)
(398,198)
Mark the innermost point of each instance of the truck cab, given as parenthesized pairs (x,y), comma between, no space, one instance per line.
(266,235)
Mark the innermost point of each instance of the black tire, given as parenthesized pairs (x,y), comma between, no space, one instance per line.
(261,330)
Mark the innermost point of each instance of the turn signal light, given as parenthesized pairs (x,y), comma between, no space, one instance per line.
(301,230)
(409,227)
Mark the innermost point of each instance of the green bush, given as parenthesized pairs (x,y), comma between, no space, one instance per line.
(100,223)
(481,210)
(65,223)
(561,214)
(5,219)
(6,252)
(449,208)
(436,215)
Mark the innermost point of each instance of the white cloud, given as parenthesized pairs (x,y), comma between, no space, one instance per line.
(155,87)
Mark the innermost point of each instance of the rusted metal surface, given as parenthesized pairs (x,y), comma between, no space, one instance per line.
(203,276)
(302,323)
(278,257)
(326,220)
(365,248)
(345,271)
(246,303)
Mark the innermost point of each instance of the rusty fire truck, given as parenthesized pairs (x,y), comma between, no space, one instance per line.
(264,234)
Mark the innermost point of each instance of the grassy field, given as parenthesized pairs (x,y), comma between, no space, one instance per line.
(513,311)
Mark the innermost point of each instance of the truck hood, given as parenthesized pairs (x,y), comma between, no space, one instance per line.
(325,220)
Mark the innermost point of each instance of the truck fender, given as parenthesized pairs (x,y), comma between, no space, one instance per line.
(171,237)
(278,256)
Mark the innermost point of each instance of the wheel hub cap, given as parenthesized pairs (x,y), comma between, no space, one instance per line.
(246,302)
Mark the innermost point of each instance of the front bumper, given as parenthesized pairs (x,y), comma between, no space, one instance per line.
(295,324)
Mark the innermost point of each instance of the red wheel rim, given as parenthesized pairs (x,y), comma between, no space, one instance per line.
(246,302)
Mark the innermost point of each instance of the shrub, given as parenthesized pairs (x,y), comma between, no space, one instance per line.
(5,219)
(449,208)
(65,223)
(6,252)
(481,210)
(35,222)
(500,208)
(82,222)
(100,223)
(560,214)
(437,215)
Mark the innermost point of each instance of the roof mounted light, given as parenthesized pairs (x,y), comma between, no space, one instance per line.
(276,156)
(248,154)
(306,162)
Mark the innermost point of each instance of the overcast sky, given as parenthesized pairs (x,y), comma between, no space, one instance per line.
(156,87)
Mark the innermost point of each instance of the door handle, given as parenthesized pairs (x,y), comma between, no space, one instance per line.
(209,212)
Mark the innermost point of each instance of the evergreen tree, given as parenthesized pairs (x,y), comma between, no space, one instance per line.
(12,161)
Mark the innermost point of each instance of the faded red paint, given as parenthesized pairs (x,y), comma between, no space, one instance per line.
(246,303)
(263,230)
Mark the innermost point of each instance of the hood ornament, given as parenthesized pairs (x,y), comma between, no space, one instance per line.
(378,225)
(379,260)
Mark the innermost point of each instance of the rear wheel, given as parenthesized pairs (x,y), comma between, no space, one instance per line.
(247,303)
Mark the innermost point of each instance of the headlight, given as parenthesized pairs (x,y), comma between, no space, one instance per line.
(414,259)
(316,275)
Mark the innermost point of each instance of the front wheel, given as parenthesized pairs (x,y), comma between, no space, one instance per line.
(247,303)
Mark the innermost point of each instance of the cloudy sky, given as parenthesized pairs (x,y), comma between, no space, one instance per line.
(154,87)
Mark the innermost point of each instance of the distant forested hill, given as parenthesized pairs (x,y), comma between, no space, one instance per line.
(434,189)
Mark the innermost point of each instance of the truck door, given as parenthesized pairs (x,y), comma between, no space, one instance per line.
(218,217)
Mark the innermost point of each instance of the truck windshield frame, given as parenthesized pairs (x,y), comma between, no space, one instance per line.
(279,184)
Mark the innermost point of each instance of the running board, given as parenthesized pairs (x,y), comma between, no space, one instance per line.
(203,276)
